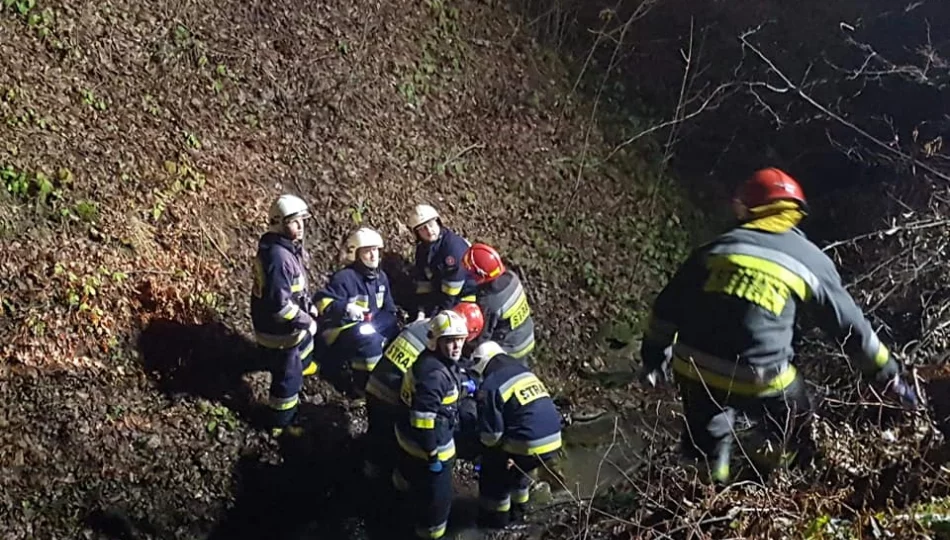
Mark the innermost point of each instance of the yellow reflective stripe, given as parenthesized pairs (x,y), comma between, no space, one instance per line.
(331,335)
(882,356)
(283,404)
(494,272)
(323,304)
(444,453)
(450,399)
(307,351)
(492,505)
(279,341)
(422,420)
(524,351)
(452,288)
(298,284)
(422,423)
(362,301)
(535,447)
(432,532)
(289,311)
(470,298)
(520,496)
(790,279)
(722,382)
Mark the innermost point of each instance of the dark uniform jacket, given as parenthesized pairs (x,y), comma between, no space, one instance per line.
(385,381)
(441,281)
(507,315)
(731,310)
(429,396)
(279,299)
(516,411)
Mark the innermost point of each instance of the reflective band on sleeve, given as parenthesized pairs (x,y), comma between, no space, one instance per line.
(422,420)
(452,288)
(288,312)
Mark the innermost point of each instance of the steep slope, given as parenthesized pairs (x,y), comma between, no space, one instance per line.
(141,145)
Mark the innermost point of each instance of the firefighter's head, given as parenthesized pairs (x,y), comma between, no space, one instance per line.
(286,216)
(767,188)
(483,354)
(363,245)
(447,334)
(425,223)
(483,263)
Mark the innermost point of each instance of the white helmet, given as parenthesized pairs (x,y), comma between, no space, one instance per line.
(362,237)
(286,208)
(446,324)
(483,354)
(421,214)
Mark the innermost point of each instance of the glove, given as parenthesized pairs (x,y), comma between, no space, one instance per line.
(469,386)
(313,328)
(904,392)
(355,312)
(435,465)
(421,315)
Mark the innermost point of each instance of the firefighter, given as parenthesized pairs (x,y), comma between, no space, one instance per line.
(520,427)
(385,381)
(280,313)
(357,314)
(441,281)
(424,431)
(725,320)
(503,300)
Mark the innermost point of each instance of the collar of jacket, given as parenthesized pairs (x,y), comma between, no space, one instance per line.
(777,217)
(282,241)
(365,271)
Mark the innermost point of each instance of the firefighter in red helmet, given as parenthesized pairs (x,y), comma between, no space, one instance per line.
(504,303)
(724,324)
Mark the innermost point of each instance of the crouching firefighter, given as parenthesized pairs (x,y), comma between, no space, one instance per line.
(441,281)
(429,396)
(727,316)
(357,315)
(383,406)
(520,427)
(503,300)
(283,327)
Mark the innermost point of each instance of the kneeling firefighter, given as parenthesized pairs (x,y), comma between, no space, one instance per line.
(283,326)
(725,323)
(520,427)
(429,396)
(383,406)
(357,314)
(503,300)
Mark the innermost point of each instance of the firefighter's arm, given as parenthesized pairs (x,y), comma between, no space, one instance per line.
(278,283)
(491,421)
(331,301)
(423,285)
(426,403)
(841,317)
(665,316)
(453,276)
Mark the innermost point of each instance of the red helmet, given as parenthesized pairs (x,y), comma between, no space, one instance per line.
(473,318)
(483,262)
(770,185)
